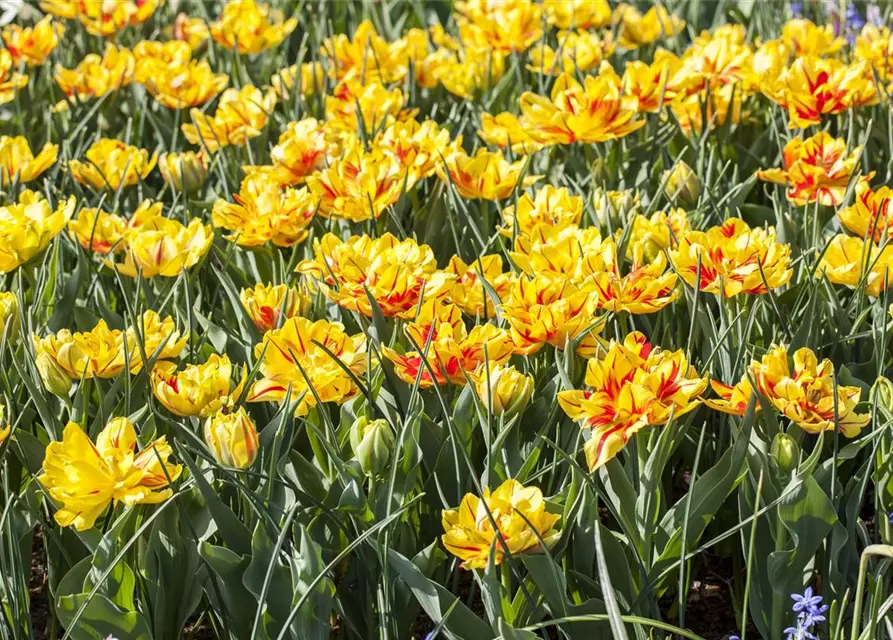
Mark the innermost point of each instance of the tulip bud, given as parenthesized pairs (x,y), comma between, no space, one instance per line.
(232,438)
(9,321)
(883,391)
(184,171)
(599,171)
(614,206)
(504,389)
(372,442)
(785,452)
(54,377)
(682,184)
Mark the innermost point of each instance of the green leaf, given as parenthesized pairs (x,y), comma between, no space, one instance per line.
(437,601)
(100,619)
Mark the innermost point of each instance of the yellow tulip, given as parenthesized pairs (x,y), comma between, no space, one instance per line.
(101,232)
(470,291)
(33,44)
(85,477)
(96,75)
(28,226)
(806,395)
(648,84)
(453,353)
(359,185)
(855,262)
(813,87)
(633,385)
(732,259)
(96,353)
(183,86)
(578,50)
(508,26)
(418,147)
(197,390)
(636,30)
(291,358)
(18,164)
(652,236)
(873,47)
(505,130)
(102,18)
(561,252)
(249,27)
(303,147)
(467,73)
(265,212)
(240,116)
(154,57)
(803,37)
(10,80)
(111,163)
(192,30)
(871,214)
(614,208)
(546,310)
(578,14)
(365,56)
(353,107)
(164,247)
(154,337)
(105,353)
(521,521)
(595,111)
(551,206)
(502,389)
(232,438)
(267,305)
(722,105)
(817,169)
(394,273)
(732,399)
(647,288)
(487,174)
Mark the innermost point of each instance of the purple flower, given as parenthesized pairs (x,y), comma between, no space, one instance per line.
(873,14)
(890,520)
(430,636)
(806,602)
(796,9)
(854,23)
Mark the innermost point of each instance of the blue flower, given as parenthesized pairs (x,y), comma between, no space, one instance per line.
(806,602)
(430,636)
(796,9)
(891,518)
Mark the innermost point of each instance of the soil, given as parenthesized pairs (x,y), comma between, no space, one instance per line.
(38,588)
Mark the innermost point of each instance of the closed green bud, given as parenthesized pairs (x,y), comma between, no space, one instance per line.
(682,184)
(372,442)
(883,391)
(785,452)
(54,378)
